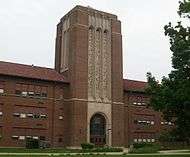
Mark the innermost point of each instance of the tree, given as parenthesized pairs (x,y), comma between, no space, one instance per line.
(172,95)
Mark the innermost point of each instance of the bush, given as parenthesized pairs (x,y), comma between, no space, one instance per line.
(143,144)
(32,144)
(145,148)
(107,149)
(87,145)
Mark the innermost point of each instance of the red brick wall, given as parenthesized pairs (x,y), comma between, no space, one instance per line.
(11,103)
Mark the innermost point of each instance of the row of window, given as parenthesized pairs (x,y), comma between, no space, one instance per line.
(167,123)
(139,103)
(144,140)
(31,94)
(15,137)
(30,115)
(144,122)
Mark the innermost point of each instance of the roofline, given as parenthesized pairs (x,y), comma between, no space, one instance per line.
(26,65)
(135,80)
(48,80)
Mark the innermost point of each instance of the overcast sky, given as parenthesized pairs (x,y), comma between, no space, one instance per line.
(28,29)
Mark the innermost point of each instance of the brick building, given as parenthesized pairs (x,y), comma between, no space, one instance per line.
(85,98)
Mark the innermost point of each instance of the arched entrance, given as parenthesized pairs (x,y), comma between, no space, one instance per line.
(98,130)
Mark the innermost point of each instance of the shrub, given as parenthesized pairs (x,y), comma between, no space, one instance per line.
(87,145)
(145,148)
(32,143)
(108,149)
(142,144)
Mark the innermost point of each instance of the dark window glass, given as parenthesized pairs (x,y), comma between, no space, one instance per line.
(60,140)
(43,138)
(17,92)
(44,94)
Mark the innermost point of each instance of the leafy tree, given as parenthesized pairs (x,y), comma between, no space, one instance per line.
(172,95)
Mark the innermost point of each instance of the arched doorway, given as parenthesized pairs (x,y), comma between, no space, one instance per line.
(98,130)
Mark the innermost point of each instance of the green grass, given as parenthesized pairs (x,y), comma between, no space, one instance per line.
(104,156)
(57,150)
(24,150)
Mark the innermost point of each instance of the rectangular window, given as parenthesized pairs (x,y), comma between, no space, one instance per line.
(37,91)
(22,115)
(1,113)
(31,93)
(24,93)
(1,91)
(31,90)
(18,89)
(16,114)
(35,137)
(43,138)
(30,115)
(15,137)
(28,137)
(2,87)
(36,116)
(44,92)
(18,92)
(43,116)
(21,137)
(60,117)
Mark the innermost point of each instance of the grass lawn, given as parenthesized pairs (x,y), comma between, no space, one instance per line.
(24,150)
(101,156)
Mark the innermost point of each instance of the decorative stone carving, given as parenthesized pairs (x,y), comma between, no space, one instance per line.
(99,59)
(91,63)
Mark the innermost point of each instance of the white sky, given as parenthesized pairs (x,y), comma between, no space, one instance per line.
(28,29)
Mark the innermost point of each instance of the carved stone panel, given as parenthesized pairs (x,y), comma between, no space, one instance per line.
(99,59)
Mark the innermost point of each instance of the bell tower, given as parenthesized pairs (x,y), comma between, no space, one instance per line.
(89,54)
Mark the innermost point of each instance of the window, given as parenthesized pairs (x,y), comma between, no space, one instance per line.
(1,87)
(22,115)
(35,137)
(37,94)
(21,137)
(60,117)
(60,140)
(139,140)
(153,140)
(44,92)
(144,140)
(16,114)
(15,137)
(43,116)
(36,116)
(24,93)
(30,115)
(28,137)
(43,138)
(31,93)
(1,91)
(18,92)
(135,140)
(44,95)
(1,113)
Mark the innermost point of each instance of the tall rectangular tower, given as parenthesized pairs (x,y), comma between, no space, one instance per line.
(89,54)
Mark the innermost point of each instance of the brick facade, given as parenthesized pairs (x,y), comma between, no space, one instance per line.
(57,103)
